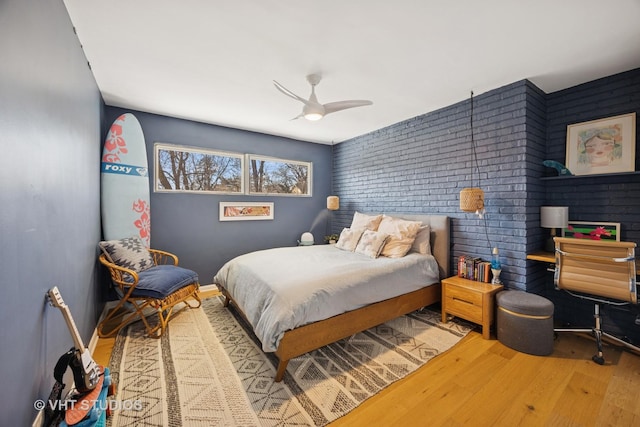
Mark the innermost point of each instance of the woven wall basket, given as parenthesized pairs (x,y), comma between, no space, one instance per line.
(471,199)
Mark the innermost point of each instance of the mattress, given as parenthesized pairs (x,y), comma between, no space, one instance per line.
(283,288)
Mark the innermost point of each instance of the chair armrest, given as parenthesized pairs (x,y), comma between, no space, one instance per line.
(163,257)
(124,278)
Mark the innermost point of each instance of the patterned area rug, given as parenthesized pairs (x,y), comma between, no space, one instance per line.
(208,370)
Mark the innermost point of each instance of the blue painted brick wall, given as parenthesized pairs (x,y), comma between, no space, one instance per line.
(419,166)
(595,198)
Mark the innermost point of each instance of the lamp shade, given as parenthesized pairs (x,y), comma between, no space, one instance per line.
(333,203)
(471,199)
(554,216)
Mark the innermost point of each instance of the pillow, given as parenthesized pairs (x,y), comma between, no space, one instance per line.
(129,253)
(401,233)
(348,239)
(422,243)
(366,222)
(371,243)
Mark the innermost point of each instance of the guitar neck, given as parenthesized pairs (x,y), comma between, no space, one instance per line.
(72,327)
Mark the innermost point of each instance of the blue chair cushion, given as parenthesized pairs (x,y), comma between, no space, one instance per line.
(163,280)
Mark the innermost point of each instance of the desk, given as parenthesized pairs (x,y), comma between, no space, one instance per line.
(550,257)
(543,256)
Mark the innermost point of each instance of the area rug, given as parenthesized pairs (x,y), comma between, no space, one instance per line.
(209,370)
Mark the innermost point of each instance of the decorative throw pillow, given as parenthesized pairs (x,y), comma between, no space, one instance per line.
(365,222)
(129,253)
(401,233)
(422,243)
(348,239)
(371,243)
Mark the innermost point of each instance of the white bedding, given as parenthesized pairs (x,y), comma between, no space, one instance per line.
(283,288)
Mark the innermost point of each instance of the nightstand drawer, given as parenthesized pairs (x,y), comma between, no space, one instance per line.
(463,308)
(458,293)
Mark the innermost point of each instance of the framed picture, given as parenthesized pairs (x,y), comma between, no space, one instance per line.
(602,146)
(247,211)
(592,230)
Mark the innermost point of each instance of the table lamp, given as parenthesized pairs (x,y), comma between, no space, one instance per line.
(553,217)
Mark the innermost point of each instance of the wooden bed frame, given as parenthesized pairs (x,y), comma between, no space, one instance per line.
(312,336)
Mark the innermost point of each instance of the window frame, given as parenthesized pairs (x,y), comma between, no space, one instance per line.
(158,146)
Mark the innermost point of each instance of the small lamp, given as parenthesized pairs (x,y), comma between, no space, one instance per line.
(333,203)
(472,200)
(553,217)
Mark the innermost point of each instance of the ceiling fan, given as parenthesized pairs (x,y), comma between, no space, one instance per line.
(312,109)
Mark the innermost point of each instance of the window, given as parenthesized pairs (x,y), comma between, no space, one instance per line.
(197,170)
(268,175)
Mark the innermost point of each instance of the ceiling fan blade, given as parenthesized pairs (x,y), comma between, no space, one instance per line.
(332,107)
(288,92)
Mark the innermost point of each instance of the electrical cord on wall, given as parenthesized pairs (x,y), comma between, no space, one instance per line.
(474,155)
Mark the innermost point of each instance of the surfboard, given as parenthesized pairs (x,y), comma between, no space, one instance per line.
(126,210)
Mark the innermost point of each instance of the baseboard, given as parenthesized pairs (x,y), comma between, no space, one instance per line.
(94,337)
(210,287)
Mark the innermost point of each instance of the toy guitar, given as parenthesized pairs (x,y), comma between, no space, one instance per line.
(86,371)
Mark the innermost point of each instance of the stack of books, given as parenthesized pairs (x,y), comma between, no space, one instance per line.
(474,268)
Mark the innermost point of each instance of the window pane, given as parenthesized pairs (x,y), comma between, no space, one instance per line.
(197,170)
(276,176)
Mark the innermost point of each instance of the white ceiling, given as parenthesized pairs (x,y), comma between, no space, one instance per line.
(214,61)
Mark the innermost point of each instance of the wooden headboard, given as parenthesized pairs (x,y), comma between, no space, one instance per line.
(440,237)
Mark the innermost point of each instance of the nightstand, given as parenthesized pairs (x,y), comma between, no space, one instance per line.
(470,300)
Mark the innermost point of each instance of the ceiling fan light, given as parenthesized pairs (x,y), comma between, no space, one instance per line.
(313,116)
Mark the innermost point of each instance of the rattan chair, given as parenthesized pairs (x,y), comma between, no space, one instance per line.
(158,288)
(603,272)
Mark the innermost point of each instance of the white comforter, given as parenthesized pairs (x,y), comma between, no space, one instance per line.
(283,288)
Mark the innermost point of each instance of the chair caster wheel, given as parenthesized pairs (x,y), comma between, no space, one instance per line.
(598,359)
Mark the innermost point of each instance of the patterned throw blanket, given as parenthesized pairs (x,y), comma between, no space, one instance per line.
(208,370)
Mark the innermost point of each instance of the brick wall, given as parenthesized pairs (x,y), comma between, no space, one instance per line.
(613,198)
(419,166)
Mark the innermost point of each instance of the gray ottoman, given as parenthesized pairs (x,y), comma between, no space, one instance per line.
(525,322)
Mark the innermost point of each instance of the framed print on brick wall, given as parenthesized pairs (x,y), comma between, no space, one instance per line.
(602,146)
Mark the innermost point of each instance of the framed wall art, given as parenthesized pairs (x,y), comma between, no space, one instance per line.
(245,211)
(602,146)
(592,230)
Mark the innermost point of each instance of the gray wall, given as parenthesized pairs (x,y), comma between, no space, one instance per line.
(188,225)
(50,116)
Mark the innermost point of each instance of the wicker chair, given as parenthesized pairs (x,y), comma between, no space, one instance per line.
(155,283)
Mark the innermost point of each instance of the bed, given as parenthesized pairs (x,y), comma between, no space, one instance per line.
(317,295)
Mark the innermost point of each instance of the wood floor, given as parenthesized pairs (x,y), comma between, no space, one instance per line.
(484,383)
